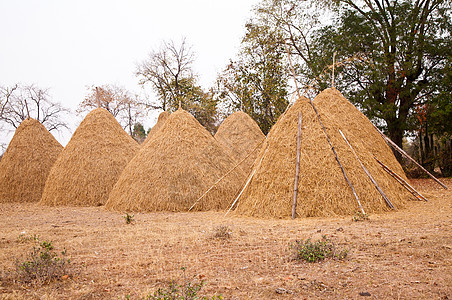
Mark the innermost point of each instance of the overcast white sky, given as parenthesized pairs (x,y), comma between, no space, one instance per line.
(69,45)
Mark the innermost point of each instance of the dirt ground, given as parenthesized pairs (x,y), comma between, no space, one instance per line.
(404,254)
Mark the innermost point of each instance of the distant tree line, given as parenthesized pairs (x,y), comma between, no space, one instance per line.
(392,60)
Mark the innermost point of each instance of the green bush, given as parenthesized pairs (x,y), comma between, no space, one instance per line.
(187,290)
(42,265)
(359,216)
(129,218)
(316,251)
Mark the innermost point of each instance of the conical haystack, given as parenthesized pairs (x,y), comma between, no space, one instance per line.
(27,162)
(160,121)
(322,189)
(174,169)
(91,163)
(240,136)
(332,103)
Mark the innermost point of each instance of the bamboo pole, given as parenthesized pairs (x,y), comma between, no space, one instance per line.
(405,184)
(97,97)
(334,63)
(221,178)
(247,182)
(388,140)
(297,166)
(337,159)
(388,202)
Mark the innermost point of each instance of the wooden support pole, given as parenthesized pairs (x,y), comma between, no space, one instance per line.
(97,97)
(247,182)
(334,64)
(337,159)
(388,202)
(405,184)
(297,166)
(388,140)
(221,178)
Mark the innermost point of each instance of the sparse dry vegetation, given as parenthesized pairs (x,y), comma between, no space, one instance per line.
(315,251)
(405,254)
(42,265)
(223,232)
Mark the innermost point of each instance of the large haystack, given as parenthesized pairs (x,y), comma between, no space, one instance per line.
(240,135)
(160,121)
(27,162)
(174,169)
(332,103)
(323,190)
(91,163)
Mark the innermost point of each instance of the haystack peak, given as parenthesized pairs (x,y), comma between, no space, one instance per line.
(240,135)
(322,189)
(176,167)
(91,163)
(27,162)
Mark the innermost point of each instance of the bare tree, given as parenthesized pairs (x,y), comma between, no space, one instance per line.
(125,107)
(165,70)
(22,101)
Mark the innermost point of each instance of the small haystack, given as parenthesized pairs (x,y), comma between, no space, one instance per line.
(322,189)
(240,135)
(174,169)
(91,163)
(160,121)
(27,162)
(332,103)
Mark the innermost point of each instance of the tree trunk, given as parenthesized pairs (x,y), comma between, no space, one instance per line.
(396,135)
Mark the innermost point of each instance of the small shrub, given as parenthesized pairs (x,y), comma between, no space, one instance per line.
(42,265)
(187,290)
(316,251)
(359,216)
(222,232)
(22,238)
(129,218)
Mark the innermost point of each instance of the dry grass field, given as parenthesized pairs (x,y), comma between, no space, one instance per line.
(399,255)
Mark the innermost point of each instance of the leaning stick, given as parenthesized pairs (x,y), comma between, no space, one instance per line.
(238,164)
(297,166)
(247,182)
(97,97)
(388,202)
(405,184)
(388,140)
(334,63)
(337,159)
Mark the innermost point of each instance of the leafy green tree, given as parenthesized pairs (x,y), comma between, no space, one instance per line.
(394,54)
(434,123)
(295,23)
(391,54)
(257,81)
(139,133)
(202,105)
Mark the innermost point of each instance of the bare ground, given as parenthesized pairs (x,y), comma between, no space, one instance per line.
(404,254)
